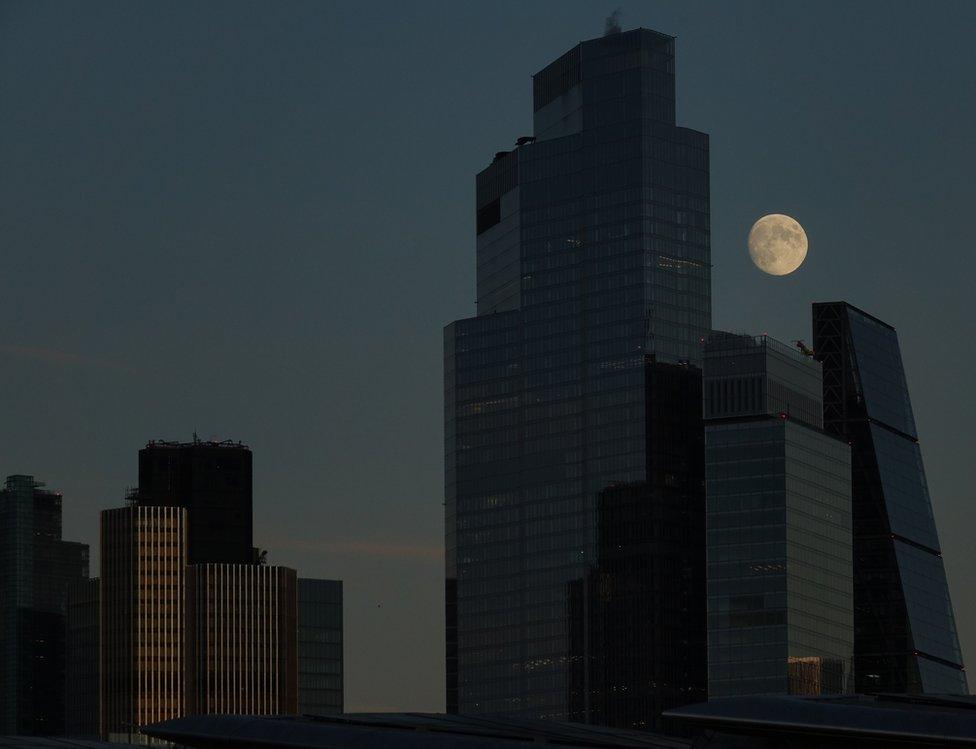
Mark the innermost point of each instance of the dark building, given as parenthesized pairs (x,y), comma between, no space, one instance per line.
(212,480)
(780,570)
(36,567)
(641,604)
(320,664)
(82,660)
(904,629)
(593,288)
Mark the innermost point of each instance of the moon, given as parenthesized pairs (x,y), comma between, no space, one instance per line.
(777,244)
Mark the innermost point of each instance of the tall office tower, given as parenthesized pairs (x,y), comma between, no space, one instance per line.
(143,562)
(780,571)
(593,295)
(212,480)
(82,660)
(320,677)
(904,629)
(241,639)
(36,567)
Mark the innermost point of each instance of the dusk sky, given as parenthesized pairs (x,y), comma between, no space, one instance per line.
(253,220)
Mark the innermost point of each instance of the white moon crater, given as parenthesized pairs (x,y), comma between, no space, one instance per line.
(777,244)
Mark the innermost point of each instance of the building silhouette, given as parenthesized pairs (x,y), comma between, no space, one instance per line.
(36,567)
(212,480)
(593,297)
(904,628)
(780,569)
(320,661)
(82,664)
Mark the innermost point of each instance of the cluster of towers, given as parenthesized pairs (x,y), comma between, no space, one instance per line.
(641,511)
(186,617)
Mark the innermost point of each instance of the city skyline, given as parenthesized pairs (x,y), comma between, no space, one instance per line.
(322,429)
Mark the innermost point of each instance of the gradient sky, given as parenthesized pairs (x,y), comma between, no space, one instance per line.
(252,220)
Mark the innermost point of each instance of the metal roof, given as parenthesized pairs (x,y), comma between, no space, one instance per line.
(921,720)
(399,730)
(55,742)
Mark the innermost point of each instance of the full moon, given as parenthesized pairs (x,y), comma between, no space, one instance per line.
(777,244)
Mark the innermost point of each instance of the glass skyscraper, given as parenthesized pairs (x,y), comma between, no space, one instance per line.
(904,629)
(780,570)
(574,459)
(36,567)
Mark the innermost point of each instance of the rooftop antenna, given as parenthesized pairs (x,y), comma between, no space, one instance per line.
(612,24)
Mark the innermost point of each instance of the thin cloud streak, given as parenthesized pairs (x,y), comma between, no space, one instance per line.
(59,358)
(359,548)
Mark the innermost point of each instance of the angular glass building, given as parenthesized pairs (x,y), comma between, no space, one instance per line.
(36,567)
(904,629)
(780,570)
(574,446)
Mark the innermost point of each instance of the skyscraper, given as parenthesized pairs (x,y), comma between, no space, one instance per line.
(904,628)
(320,662)
(241,639)
(780,570)
(593,289)
(143,571)
(212,480)
(36,567)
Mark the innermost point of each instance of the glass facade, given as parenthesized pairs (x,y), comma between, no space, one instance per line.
(36,567)
(572,402)
(905,633)
(780,570)
(320,664)
(81,661)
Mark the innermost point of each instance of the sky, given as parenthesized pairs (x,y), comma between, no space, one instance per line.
(252,220)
